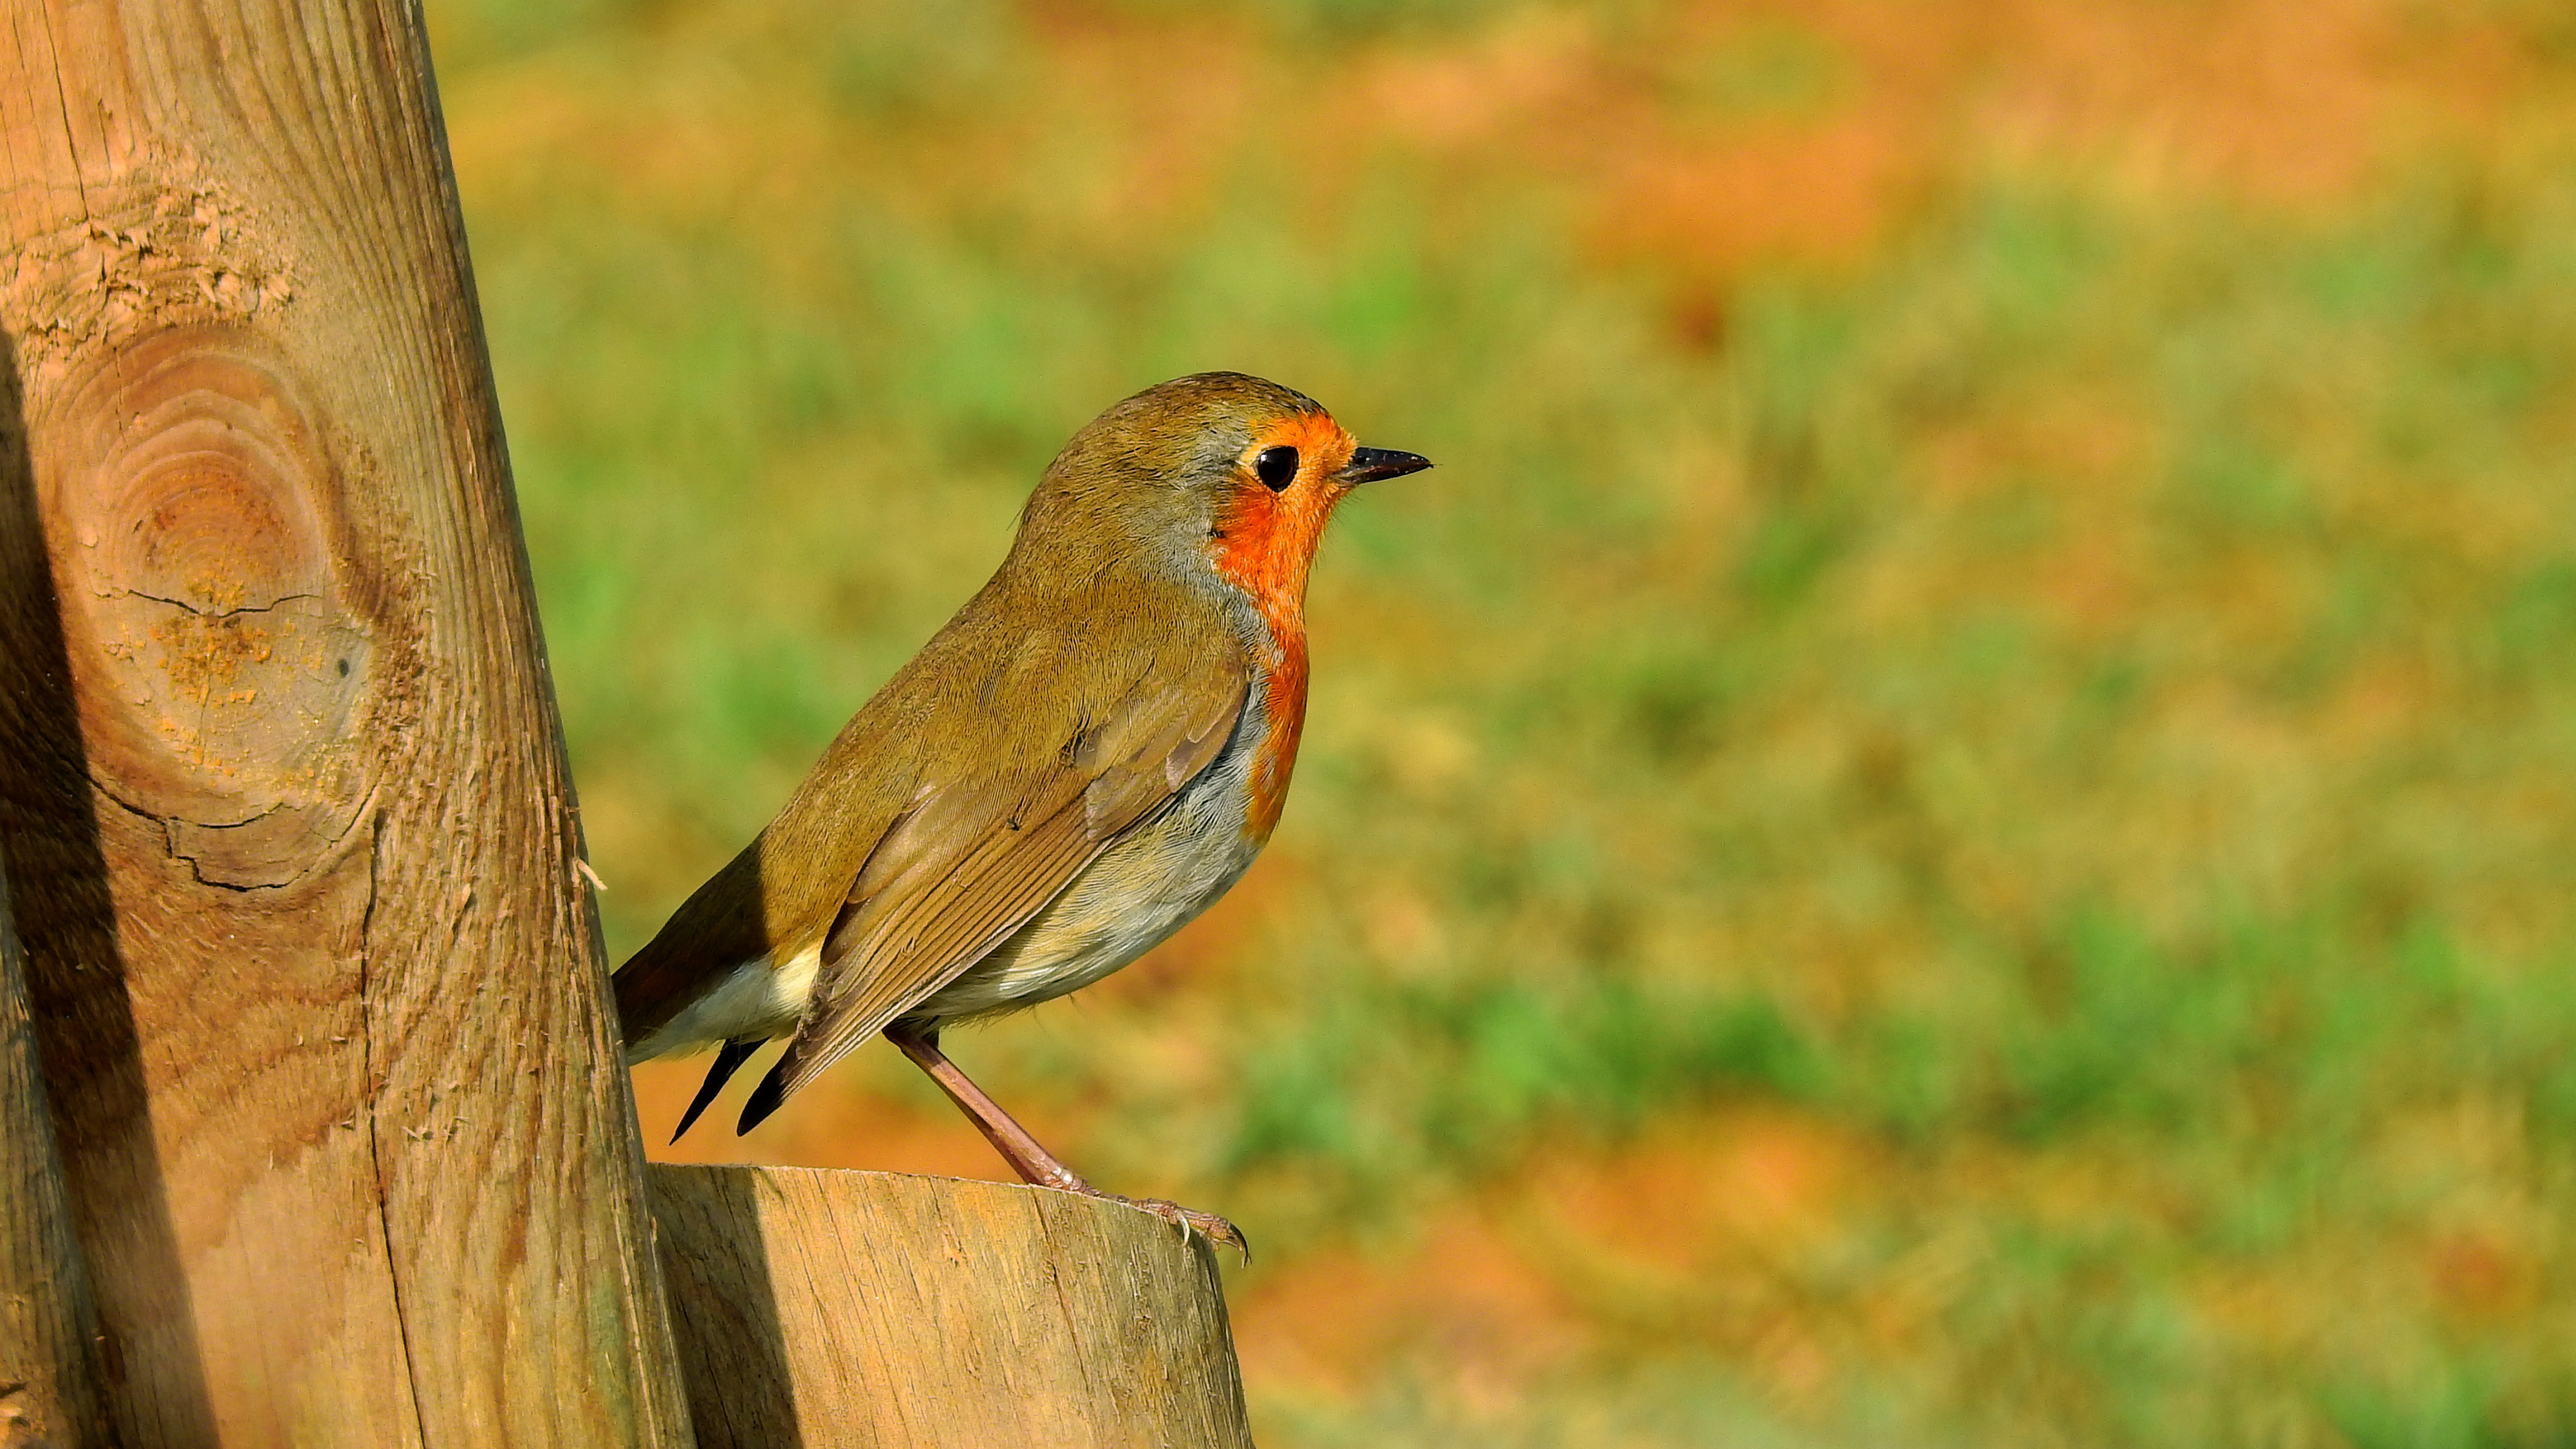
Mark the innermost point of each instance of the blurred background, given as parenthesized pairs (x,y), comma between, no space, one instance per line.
(1950,821)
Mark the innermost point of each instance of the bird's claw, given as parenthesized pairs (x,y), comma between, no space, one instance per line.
(1189,1220)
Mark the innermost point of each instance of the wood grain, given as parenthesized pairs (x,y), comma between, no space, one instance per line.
(868,1308)
(316,985)
(48,1324)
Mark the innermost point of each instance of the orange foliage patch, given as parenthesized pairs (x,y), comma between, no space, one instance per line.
(1698,1232)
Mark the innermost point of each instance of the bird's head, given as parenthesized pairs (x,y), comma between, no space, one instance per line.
(1217,471)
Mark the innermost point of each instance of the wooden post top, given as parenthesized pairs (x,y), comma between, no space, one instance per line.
(874,1308)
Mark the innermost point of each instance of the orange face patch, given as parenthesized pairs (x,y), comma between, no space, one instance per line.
(1267,537)
(1264,541)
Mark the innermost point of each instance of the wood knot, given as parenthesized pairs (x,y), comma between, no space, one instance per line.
(220,671)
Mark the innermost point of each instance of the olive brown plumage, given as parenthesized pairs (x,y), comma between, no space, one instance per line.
(1085,757)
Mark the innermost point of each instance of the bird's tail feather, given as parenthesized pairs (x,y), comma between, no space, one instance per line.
(729,1059)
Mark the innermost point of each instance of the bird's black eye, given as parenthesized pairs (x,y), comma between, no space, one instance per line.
(1276,467)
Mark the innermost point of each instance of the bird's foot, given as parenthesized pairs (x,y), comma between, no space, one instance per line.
(1189,1220)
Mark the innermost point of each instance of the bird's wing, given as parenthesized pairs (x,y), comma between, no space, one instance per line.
(971,859)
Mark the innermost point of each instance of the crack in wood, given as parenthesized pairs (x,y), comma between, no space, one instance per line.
(220,613)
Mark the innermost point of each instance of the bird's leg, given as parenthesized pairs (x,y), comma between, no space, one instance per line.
(1032,1162)
(1035,1165)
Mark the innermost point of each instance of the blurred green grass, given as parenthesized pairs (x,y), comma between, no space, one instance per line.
(2063,683)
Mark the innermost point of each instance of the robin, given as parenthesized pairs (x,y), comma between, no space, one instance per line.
(1090,753)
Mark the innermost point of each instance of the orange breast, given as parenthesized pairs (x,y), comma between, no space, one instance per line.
(1278,757)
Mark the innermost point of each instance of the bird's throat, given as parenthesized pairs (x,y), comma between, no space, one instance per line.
(1264,545)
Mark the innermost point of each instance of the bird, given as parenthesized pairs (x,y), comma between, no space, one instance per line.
(1089,754)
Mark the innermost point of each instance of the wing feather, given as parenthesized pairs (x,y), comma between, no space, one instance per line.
(971,861)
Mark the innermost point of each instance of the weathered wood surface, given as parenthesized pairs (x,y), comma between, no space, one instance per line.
(869,1308)
(48,1326)
(282,796)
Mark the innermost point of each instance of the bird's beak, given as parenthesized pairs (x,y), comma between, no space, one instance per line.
(1370,464)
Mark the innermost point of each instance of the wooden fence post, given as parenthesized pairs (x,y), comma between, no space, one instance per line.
(48,1326)
(283,802)
(872,1308)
